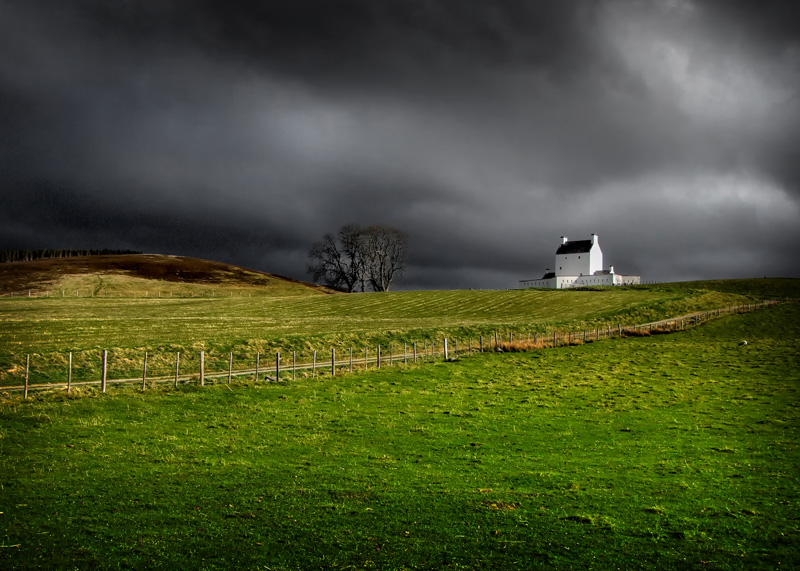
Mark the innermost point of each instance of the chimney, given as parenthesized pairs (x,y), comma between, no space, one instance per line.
(594,239)
(563,240)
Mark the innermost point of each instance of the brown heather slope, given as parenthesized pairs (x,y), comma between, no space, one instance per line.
(136,273)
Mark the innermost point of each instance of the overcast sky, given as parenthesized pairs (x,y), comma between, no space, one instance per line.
(244,131)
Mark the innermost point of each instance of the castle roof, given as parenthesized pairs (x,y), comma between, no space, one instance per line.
(575,247)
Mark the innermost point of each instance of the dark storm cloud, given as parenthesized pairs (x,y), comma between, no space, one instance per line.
(485,130)
(355,39)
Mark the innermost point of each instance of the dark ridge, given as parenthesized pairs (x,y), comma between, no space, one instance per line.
(50,254)
(40,274)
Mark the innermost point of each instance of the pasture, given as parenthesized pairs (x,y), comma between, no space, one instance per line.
(128,326)
(667,452)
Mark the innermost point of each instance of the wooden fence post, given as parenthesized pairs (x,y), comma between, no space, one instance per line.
(314,365)
(555,341)
(258,358)
(230,366)
(619,329)
(378,358)
(455,348)
(294,365)
(495,340)
(391,354)
(405,353)
(103,374)
(27,368)
(366,356)
(333,361)
(177,366)
(415,352)
(69,373)
(351,359)
(144,371)
(445,349)
(202,368)
(277,366)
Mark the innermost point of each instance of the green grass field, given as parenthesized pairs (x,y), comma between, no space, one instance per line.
(667,452)
(49,328)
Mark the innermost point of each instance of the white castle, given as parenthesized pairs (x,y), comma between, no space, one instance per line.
(579,263)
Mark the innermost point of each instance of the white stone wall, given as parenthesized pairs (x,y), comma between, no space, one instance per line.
(572,264)
(627,280)
(548,283)
(595,257)
(566,282)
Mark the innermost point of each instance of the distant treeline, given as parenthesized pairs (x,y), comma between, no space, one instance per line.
(28,255)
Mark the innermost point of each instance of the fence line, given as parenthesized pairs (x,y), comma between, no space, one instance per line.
(429,353)
(90,292)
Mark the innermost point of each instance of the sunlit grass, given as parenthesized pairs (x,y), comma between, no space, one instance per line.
(666,452)
(49,329)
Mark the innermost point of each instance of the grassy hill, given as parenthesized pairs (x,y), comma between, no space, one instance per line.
(49,328)
(143,275)
(670,452)
(663,452)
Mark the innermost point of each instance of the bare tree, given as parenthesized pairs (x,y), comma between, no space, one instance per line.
(337,261)
(384,255)
(357,258)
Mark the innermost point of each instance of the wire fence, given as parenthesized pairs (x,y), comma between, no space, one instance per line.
(190,369)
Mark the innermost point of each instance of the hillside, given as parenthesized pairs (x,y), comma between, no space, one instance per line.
(673,452)
(143,275)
